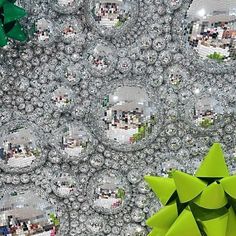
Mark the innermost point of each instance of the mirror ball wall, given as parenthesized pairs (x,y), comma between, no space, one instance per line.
(102,93)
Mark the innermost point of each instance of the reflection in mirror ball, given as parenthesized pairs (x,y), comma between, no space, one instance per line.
(205,111)
(24,213)
(101,58)
(109,192)
(64,185)
(66,6)
(62,98)
(129,116)
(133,230)
(44,31)
(176,76)
(70,29)
(73,140)
(111,13)
(212,28)
(19,147)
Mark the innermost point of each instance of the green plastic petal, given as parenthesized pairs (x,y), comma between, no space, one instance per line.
(188,187)
(231,226)
(204,214)
(185,225)
(164,218)
(157,232)
(3,37)
(164,188)
(229,185)
(17,32)
(12,12)
(213,165)
(232,202)
(213,197)
(206,203)
(217,226)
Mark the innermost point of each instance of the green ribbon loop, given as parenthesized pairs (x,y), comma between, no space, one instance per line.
(10,27)
(200,205)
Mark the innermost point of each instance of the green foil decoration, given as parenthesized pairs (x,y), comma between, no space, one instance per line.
(200,205)
(9,25)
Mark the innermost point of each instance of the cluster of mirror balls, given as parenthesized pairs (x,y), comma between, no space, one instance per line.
(60,90)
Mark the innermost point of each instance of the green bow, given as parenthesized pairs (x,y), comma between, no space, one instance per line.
(200,205)
(9,25)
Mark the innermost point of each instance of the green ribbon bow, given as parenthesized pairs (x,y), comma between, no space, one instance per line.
(9,25)
(200,205)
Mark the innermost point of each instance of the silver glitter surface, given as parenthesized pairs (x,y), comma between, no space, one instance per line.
(63,133)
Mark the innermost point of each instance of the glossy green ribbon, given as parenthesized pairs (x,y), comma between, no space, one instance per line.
(200,205)
(9,24)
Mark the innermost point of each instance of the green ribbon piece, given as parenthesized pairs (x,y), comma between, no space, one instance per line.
(9,25)
(200,205)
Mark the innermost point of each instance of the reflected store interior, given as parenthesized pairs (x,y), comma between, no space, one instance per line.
(112,13)
(74,140)
(128,115)
(100,57)
(109,196)
(211,28)
(64,185)
(25,214)
(206,111)
(18,148)
(62,97)
(110,192)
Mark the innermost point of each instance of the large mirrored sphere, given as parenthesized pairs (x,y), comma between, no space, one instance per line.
(211,29)
(66,6)
(64,185)
(73,141)
(44,31)
(129,115)
(205,111)
(101,58)
(24,213)
(19,147)
(62,98)
(70,29)
(72,74)
(109,192)
(112,14)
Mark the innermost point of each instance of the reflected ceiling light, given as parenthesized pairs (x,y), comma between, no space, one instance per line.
(202,12)
(115,98)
